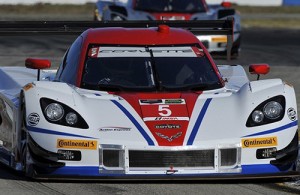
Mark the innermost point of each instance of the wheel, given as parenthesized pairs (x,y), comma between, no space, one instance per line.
(24,151)
(235,51)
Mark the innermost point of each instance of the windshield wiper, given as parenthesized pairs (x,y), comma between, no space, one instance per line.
(157,80)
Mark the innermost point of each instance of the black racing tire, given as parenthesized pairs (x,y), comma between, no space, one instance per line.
(24,153)
(235,50)
(236,47)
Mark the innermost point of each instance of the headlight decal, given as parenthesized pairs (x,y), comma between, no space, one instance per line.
(269,111)
(54,112)
(58,113)
(272,110)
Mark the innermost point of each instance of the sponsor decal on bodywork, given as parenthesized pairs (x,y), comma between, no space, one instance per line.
(169,138)
(109,129)
(166,119)
(33,119)
(168,126)
(151,101)
(104,51)
(219,39)
(259,142)
(77,144)
(161,101)
(175,101)
(93,52)
(28,86)
(292,114)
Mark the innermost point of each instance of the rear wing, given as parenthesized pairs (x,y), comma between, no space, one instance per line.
(197,27)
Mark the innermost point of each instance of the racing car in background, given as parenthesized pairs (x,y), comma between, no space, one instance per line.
(150,103)
(175,10)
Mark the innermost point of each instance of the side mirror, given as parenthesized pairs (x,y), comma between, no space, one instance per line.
(259,69)
(37,63)
(226,4)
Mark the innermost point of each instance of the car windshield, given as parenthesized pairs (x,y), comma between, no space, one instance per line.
(148,69)
(181,6)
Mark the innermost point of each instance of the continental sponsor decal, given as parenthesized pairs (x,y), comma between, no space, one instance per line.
(259,142)
(77,144)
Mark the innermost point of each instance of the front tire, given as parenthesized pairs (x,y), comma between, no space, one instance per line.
(24,150)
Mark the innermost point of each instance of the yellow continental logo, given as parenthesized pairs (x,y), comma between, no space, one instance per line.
(259,142)
(77,144)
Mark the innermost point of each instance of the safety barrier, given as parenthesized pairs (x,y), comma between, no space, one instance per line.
(239,2)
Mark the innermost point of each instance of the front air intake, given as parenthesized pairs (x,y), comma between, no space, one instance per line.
(155,159)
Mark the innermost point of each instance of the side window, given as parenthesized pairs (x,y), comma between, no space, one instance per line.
(61,67)
(69,67)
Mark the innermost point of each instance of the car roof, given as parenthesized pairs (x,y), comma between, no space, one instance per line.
(154,36)
(161,35)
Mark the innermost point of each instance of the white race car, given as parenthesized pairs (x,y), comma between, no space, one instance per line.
(190,10)
(149,103)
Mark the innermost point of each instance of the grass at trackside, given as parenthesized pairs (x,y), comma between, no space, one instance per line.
(273,10)
(87,9)
(277,22)
(272,23)
(268,10)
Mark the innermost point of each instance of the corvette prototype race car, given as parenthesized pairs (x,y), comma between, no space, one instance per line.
(121,10)
(141,102)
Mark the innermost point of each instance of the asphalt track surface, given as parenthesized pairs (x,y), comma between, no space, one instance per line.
(279,48)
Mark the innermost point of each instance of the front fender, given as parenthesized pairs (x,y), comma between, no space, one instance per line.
(33,92)
(36,90)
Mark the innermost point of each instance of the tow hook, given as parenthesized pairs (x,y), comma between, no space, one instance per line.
(171,171)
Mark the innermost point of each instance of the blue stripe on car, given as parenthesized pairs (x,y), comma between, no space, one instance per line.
(93,171)
(198,122)
(77,170)
(292,124)
(263,169)
(46,131)
(136,124)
